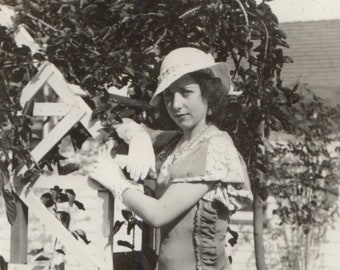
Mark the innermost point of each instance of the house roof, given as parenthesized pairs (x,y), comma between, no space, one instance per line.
(315,48)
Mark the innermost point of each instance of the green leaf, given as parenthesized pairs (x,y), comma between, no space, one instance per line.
(4,176)
(55,191)
(62,197)
(280,42)
(89,9)
(7,192)
(280,33)
(131,224)
(60,251)
(127,214)
(46,199)
(42,258)
(82,235)
(288,59)
(17,74)
(78,136)
(35,251)
(252,3)
(125,244)
(71,196)
(68,168)
(28,108)
(74,235)
(10,204)
(79,205)
(64,217)
(31,175)
(232,241)
(117,226)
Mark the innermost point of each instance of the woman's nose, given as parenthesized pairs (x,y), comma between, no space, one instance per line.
(177,101)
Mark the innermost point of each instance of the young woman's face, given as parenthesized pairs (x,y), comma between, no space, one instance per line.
(185,104)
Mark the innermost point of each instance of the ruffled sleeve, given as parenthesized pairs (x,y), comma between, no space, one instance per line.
(226,165)
(218,160)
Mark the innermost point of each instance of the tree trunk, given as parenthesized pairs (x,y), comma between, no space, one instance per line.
(258,233)
(257,212)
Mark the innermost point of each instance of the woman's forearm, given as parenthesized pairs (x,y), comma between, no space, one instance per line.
(174,202)
(143,206)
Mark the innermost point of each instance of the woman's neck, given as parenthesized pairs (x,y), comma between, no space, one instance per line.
(189,134)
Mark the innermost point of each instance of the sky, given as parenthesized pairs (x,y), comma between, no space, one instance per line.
(305,10)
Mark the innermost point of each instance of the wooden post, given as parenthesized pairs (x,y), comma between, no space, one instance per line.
(104,239)
(18,248)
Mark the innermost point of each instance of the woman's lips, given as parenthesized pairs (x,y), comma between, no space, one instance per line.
(181,115)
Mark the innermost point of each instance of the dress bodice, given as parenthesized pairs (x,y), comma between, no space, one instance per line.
(196,239)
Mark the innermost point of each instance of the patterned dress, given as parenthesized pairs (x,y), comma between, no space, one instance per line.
(196,239)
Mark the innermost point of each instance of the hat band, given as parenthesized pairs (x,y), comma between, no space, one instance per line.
(171,69)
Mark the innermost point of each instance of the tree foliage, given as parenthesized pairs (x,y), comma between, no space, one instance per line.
(98,44)
(302,173)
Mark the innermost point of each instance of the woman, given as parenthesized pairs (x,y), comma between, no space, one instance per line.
(201,177)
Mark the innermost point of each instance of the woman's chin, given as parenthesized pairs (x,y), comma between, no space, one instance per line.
(184,125)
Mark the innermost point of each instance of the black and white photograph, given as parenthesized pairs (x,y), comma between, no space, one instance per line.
(169,135)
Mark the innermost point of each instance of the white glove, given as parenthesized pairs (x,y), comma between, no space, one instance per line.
(128,129)
(108,173)
(141,156)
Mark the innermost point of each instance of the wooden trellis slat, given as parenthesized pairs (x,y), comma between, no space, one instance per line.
(60,86)
(103,242)
(77,182)
(19,235)
(54,226)
(57,133)
(51,109)
(45,71)
(91,126)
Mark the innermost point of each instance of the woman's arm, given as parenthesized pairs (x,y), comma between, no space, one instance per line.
(178,198)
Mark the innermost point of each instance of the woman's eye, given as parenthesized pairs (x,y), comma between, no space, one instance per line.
(186,93)
(167,95)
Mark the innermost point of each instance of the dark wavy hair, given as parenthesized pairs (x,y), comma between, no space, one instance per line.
(212,91)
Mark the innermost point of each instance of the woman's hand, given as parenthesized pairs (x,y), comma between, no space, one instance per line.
(141,156)
(108,173)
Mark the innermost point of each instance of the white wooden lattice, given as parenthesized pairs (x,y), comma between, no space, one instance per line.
(73,109)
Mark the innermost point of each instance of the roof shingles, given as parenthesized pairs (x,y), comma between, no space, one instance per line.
(315,48)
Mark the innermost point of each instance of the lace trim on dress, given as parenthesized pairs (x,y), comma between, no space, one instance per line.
(223,165)
(204,236)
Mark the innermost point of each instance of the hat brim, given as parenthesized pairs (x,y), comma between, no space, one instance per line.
(219,70)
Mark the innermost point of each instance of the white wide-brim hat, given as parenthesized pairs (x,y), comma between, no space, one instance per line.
(185,60)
